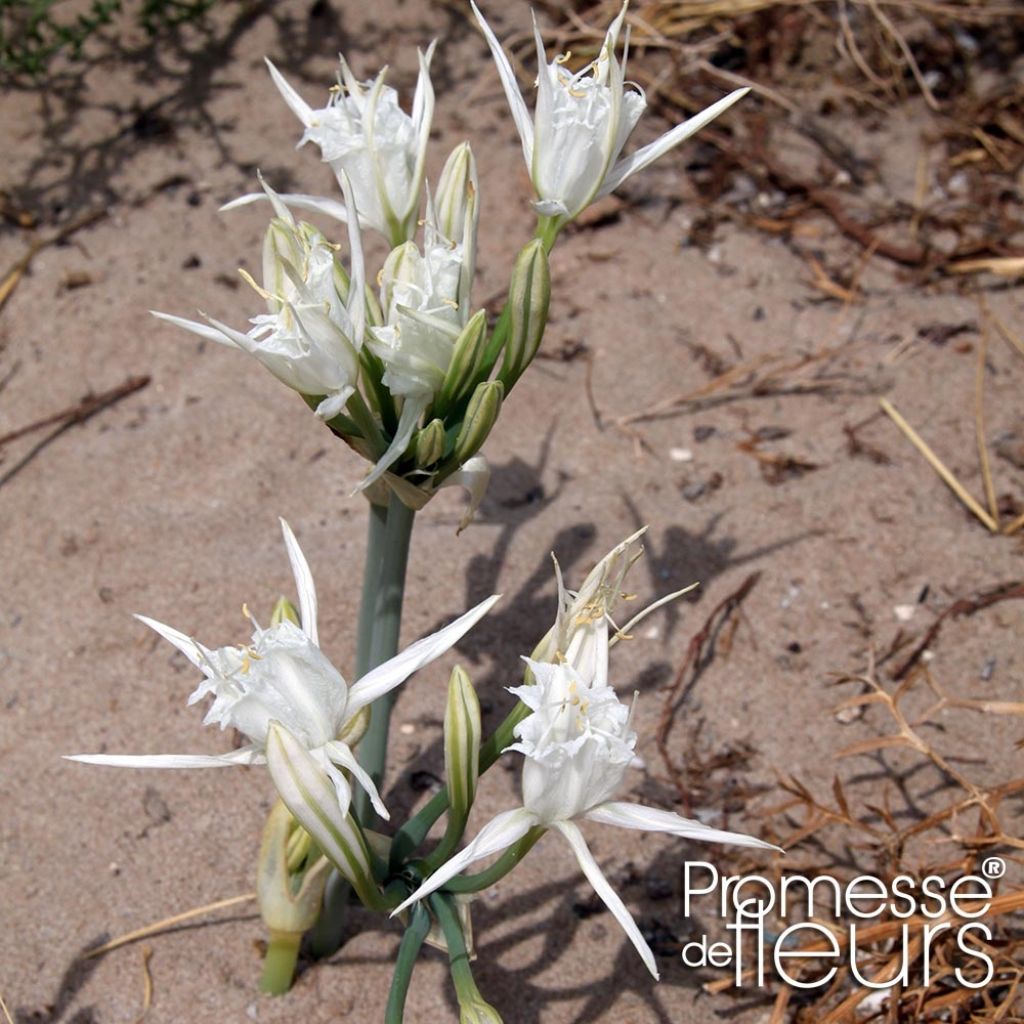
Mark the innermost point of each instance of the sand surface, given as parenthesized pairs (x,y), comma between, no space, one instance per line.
(166,504)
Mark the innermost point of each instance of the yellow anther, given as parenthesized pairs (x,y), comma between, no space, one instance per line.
(563,58)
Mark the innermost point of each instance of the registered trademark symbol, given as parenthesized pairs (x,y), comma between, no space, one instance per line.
(993,867)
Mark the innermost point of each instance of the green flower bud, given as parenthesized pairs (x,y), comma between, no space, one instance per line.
(283,611)
(428,447)
(466,361)
(461,743)
(481,415)
(476,1011)
(455,198)
(528,298)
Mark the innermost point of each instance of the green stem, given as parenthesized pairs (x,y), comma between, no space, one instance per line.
(375,541)
(279,963)
(458,957)
(408,951)
(415,830)
(387,623)
(328,931)
(499,869)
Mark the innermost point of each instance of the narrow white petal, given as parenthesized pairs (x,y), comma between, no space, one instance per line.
(280,210)
(341,754)
(309,794)
(386,677)
(189,647)
(648,154)
(357,276)
(303,583)
(422,116)
(651,819)
(606,892)
(299,107)
(203,330)
(407,423)
(516,104)
(497,835)
(300,200)
(474,475)
(244,755)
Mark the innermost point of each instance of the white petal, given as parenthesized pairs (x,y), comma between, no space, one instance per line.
(648,154)
(386,677)
(520,114)
(341,754)
(203,330)
(333,404)
(651,819)
(303,583)
(498,834)
(474,475)
(407,424)
(300,200)
(422,116)
(356,305)
(300,108)
(244,755)
(309,794)
(189,647)
(606,892)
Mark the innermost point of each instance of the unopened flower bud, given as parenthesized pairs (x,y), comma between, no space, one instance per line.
(481,415)
(461,743)
(456,198)
(467,358)
(428,446)
(476,1011)
(528,298)
(284,611)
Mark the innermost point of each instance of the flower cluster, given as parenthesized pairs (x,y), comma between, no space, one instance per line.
(410,376)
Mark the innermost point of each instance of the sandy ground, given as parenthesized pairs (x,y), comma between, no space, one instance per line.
(166,504)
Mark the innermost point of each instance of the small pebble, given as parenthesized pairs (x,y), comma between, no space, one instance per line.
(904,612)
(680,454)
(407,728)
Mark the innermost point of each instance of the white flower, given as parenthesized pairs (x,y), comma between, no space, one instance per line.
(282,683)
(420,298)
(578,743)
(582,122)
(364,133)
(312,332)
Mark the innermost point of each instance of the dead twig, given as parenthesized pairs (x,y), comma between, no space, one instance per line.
(962,606)
(84,410)
(698,655)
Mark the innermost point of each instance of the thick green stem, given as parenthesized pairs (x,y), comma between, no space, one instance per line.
(415,830)
(499,869)
(279,963)
(375,542)
(387,623)
(408,951)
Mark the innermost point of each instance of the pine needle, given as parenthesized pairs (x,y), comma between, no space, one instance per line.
(168,922)
(936,463)
(7,1015)
(147,984)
